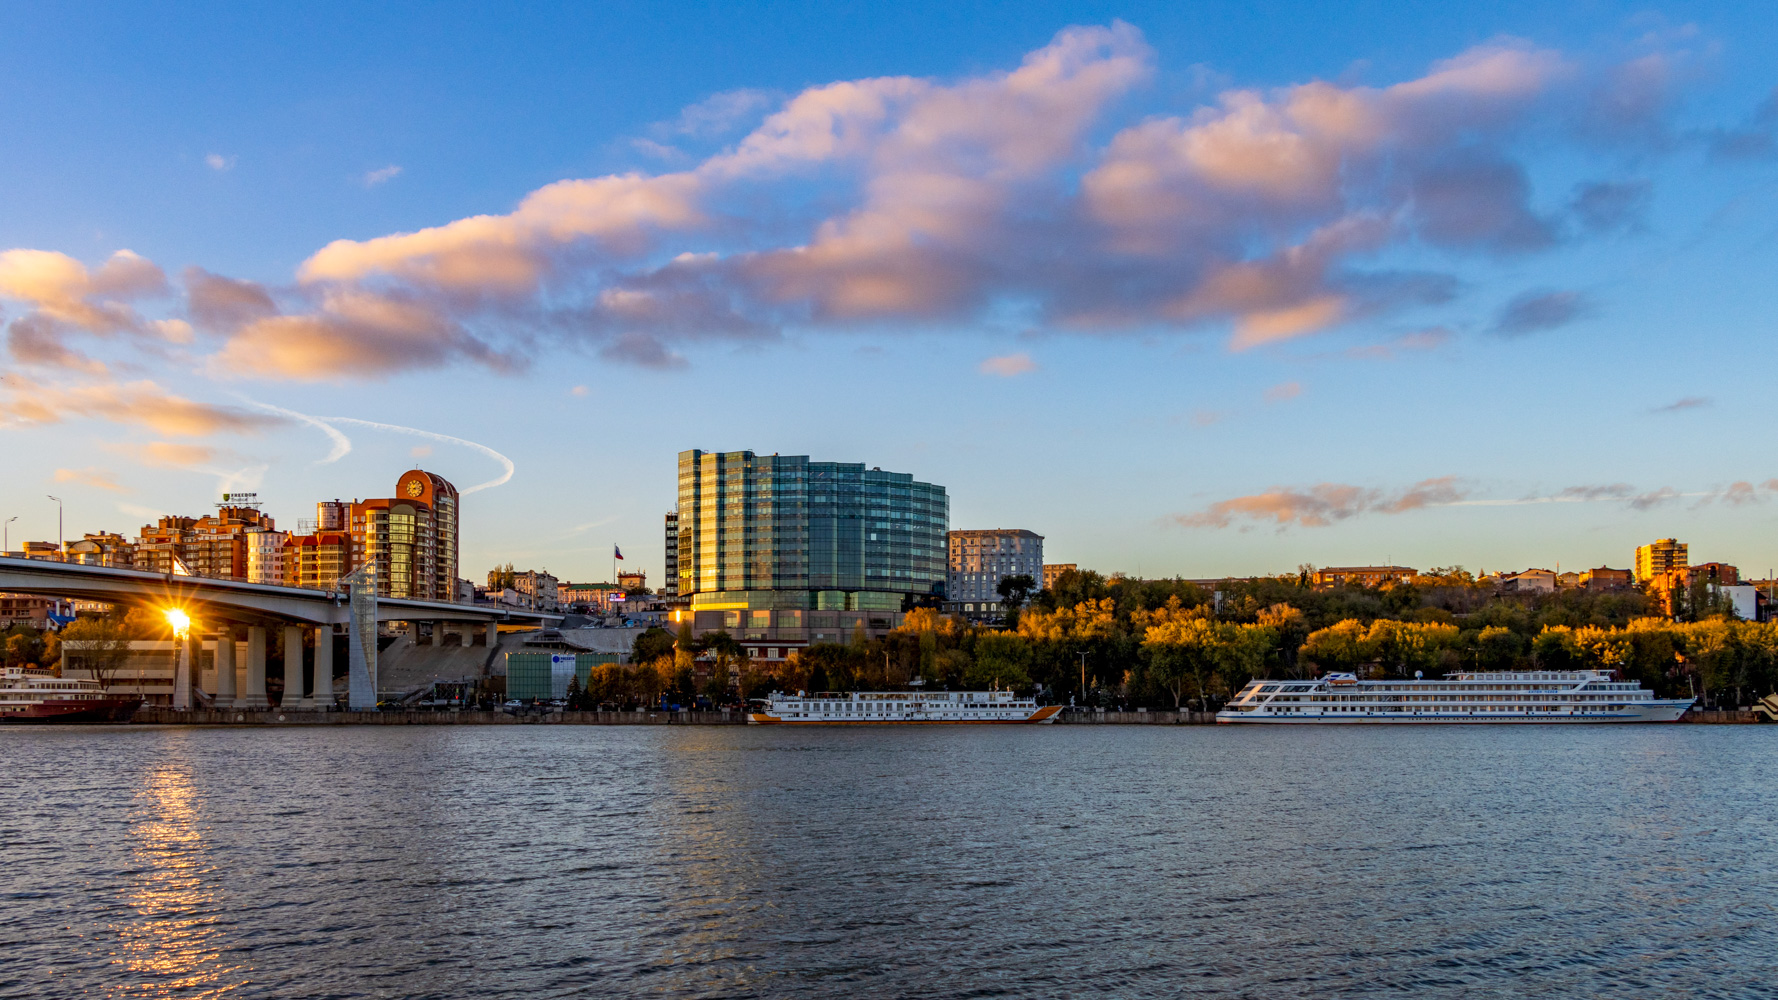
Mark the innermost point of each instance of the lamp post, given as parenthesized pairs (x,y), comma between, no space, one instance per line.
(59,542)
(6,535)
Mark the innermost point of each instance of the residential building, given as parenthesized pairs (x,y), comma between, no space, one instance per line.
(317,561)
(1567,581)
(411,538)
(1053,571)
(265,555)
(539,589)
(1532,581)
(1363,576)
(1606,578)
(102,549)
(1658,557)
(27,609)
(1668,587)
(670,576)
(214,545)
(599,596)
(785,550)
(980,558)
(47,551)
(633,580)
(1746,599)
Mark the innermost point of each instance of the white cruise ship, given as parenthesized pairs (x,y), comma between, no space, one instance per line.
(1515,696)
(900,708)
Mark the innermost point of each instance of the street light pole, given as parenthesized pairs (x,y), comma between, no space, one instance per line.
(6,535)
(59,542)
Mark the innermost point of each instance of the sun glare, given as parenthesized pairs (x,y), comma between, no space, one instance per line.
(180,621)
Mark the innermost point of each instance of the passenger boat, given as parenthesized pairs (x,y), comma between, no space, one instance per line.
(1509,696)
(900,708)
(34,697)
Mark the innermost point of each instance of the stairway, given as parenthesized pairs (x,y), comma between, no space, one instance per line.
(1766,709)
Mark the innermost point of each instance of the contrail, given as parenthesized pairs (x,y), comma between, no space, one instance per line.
(484,449)
(342,445)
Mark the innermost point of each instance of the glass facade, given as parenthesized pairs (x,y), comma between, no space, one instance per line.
(779,531)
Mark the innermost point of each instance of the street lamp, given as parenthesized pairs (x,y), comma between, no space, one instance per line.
(59,542)
(6,535)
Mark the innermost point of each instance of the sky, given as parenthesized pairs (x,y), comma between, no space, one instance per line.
(1189,289)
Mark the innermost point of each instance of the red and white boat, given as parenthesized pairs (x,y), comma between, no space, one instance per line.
(856,708)
(27,696)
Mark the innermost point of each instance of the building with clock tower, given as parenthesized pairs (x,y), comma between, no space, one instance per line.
(411,538)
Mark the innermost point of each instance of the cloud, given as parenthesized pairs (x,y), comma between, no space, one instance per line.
(420,451)
(90,476)
(224,304)
(1654,498)
(374,177)
(1609,491)
(896,202)
(1682,405)
(1323,504)
(1206,418)
(1756,139)
(1430,338)
(219,163)
(143,403)
(1533,312)
(172,454)
(644,350)
(64,299)
(1008,365)
(716,115)
(1283,391)
(1609,206)
(578,391)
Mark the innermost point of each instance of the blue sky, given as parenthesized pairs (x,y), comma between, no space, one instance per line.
(1188,289)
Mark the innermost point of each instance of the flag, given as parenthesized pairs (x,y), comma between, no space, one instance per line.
(616,553)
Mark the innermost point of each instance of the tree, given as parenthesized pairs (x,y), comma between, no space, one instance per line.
(97,645)
(576,697)
(653,643)
(1183,652)
(1340,647)
(1015,591)
(1001,659)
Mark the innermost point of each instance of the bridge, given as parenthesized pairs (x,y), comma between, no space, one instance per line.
(222,608)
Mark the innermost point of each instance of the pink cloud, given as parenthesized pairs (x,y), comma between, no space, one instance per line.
(1323,504)
(1008,365)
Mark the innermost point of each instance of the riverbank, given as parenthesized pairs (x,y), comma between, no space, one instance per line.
(416,717)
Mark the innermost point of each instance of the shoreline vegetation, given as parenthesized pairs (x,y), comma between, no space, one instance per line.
(1123,643)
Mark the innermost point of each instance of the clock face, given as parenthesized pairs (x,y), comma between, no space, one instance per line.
(415,488)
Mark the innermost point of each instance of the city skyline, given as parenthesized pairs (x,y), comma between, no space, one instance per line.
(1526,346)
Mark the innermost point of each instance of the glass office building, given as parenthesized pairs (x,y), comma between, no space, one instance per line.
(779,532)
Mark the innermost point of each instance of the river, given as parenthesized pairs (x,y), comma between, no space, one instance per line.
(1139,861)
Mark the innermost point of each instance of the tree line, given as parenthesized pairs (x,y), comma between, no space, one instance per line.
(1170,644)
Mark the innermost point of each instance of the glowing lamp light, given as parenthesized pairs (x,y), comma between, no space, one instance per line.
(180,621)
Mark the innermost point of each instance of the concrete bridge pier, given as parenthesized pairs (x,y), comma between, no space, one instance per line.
(255,694)
(493,635)
(293,667)
(225,668)
(321,693)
